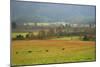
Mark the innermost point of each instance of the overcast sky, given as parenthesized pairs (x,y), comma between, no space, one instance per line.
(50,12)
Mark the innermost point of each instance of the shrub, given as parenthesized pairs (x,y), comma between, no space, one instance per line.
(19,37)
(85,38)
(30,35)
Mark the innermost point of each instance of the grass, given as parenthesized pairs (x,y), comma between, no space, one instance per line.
(67,38)
(26,52)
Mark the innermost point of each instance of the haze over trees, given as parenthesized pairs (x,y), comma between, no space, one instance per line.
(50,21)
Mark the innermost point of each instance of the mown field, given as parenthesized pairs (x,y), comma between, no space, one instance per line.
(26,52)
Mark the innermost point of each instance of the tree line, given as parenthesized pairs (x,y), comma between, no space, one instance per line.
(44,35)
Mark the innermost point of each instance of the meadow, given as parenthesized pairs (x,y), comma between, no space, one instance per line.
(27,52)
(47,33)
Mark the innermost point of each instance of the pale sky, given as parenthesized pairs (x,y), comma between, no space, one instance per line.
(50,12)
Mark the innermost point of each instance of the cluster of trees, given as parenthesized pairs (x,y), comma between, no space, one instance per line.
(89,38)
(13,25)
(52,33)
(30,35)
(42,35)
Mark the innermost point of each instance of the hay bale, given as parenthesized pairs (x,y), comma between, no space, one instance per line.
(46,50)
(63,48)
(16,52)
(29,51)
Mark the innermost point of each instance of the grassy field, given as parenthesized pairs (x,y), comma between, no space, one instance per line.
(67,38)
(26,52)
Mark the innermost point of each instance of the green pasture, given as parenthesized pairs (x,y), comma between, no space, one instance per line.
(68,38)
(39,52)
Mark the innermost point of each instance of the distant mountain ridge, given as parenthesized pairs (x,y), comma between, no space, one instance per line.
(25,12)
